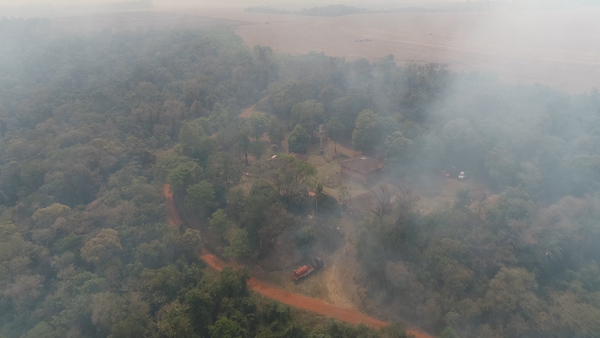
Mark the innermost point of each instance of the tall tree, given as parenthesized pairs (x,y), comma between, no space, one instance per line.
(276,132)
(200,199)
(310,114)
(298,140)
(366,131)
(397,148)
(258,123)
(223,170)
(335,130)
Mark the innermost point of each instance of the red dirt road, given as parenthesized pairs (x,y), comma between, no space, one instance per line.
(299,301)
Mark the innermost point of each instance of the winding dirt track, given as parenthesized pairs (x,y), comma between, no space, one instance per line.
(299,301)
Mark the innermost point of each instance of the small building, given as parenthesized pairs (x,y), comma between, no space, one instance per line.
(361,168)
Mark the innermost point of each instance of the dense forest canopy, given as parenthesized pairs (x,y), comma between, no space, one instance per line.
(92,125)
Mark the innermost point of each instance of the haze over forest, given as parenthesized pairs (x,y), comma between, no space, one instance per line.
(167,166)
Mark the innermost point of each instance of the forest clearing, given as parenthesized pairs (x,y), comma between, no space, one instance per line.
(299,301)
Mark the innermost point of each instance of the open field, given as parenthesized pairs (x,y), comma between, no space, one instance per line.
(557,49)
(560,49)
(134,20)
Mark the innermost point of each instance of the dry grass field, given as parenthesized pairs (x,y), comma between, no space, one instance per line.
(135,20)
(560,49)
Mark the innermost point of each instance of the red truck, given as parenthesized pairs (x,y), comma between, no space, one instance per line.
(305,270)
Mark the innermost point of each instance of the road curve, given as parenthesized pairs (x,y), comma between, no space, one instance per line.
(299,301)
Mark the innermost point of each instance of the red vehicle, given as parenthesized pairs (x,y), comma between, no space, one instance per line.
(305,270)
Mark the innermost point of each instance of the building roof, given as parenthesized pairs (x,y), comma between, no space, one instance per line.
(362,165)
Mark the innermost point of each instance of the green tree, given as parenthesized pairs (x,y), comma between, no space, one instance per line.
(395,330)
(512,292)
(515,204)
(239,244)
(184,176)
(43,330)
(226,328)
(121,313)
(223,170)
(276,132)
(191,241)
(310,114)
(298,140)
(448,332)
(195,142)
(347,108)
(397,148)
(200,198)
(257,149)
(243,143)
(335,130)
(258,123)
(74,186)
(292,176)
(45,217)
(173,321)
(102,247)
(366,131)
(220,223)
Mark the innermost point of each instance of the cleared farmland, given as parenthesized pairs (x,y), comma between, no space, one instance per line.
(560,49)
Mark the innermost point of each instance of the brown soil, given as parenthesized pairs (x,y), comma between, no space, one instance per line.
(299,301)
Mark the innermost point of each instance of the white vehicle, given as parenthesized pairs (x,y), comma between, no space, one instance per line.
(461,176)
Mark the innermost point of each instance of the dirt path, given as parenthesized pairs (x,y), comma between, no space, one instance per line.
(249,110)
(299,301)
(172,213)
(341,272)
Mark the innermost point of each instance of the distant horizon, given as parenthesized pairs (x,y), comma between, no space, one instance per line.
(49,8)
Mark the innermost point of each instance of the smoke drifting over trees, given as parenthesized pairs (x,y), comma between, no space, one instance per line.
(92,125)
